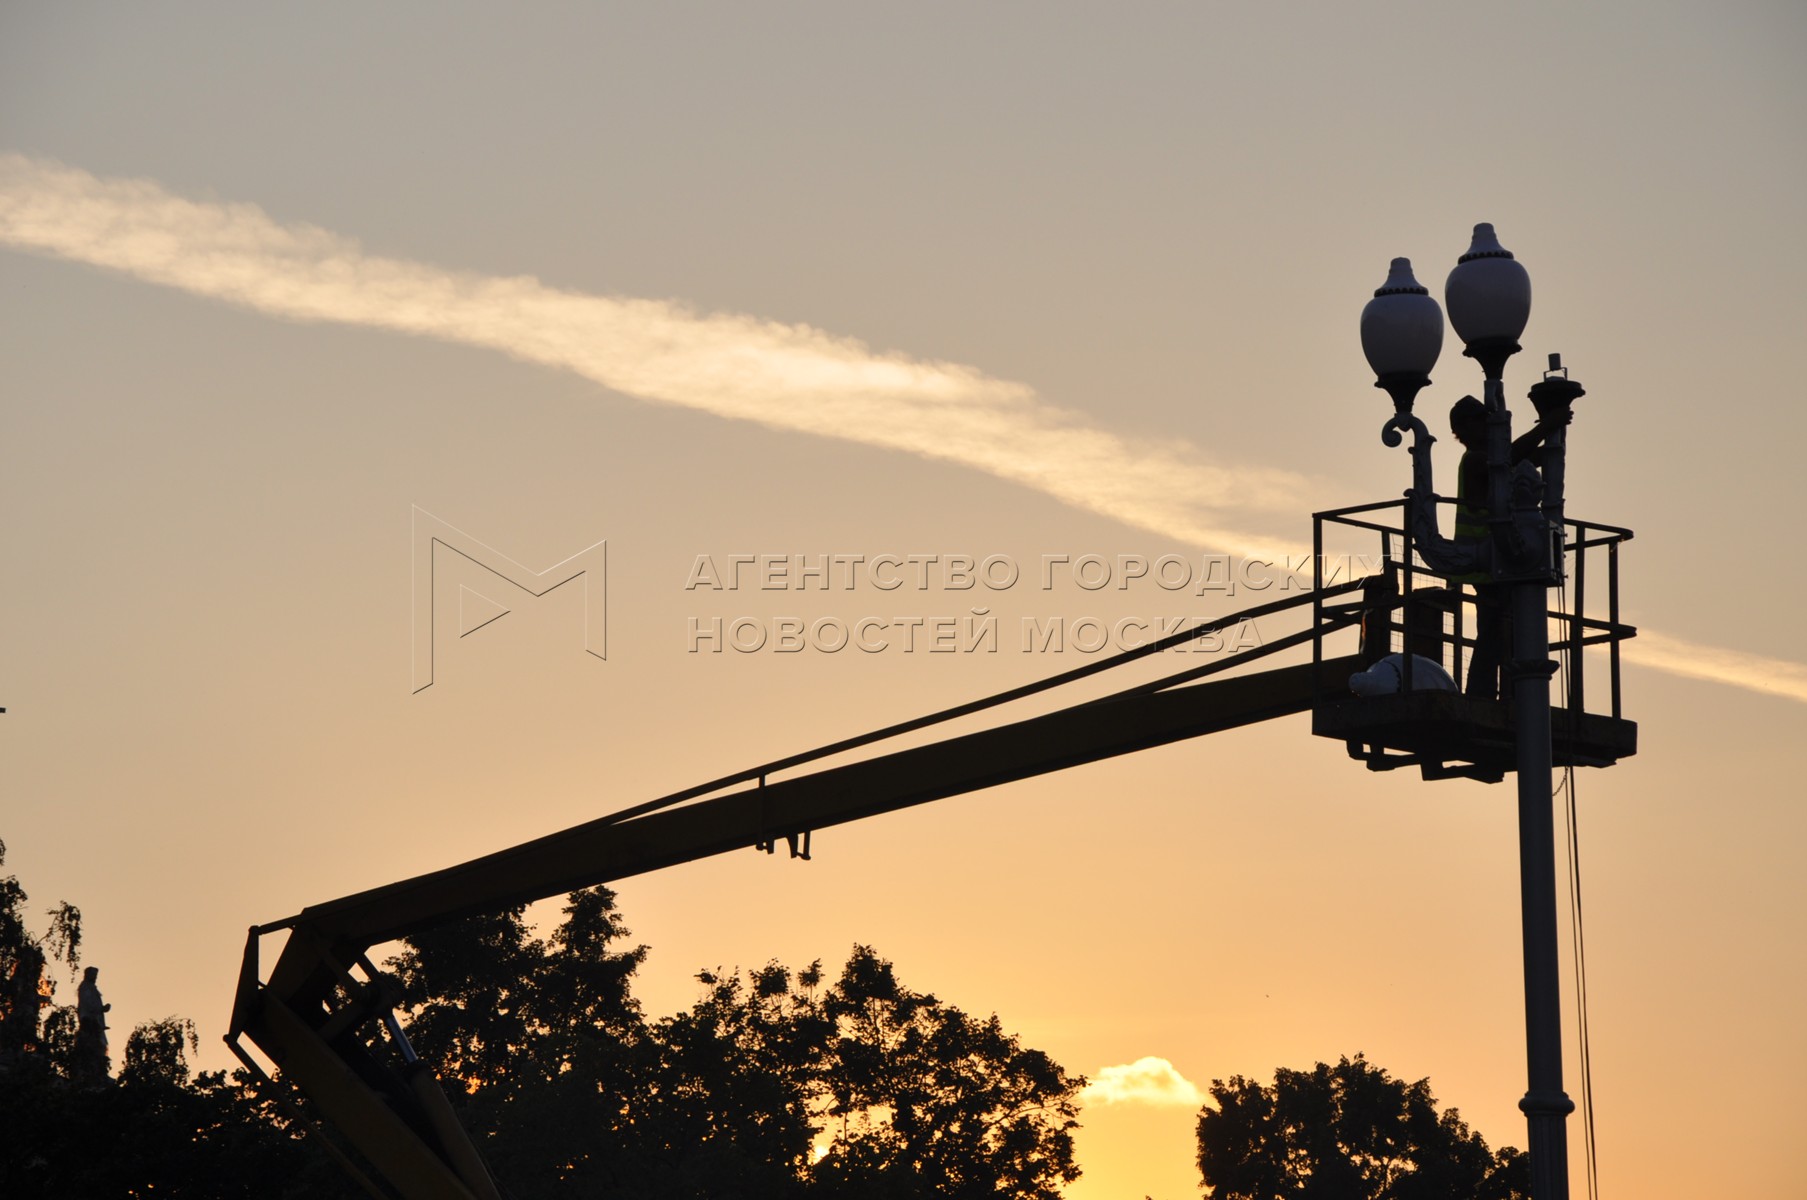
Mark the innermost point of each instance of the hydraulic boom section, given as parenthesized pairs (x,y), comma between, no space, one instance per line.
(325,1016)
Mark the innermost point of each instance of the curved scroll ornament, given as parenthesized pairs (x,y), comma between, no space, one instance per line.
(1444,556)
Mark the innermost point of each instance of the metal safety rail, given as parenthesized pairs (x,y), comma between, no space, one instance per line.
(1409,609)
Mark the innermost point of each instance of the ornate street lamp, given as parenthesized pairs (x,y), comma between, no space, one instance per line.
(1488,295)
(1402,334)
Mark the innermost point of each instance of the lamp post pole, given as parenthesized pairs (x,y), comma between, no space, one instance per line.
(1489,299)
(1545,1105)
(1527,674)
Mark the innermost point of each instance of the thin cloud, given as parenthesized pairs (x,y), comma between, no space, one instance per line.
(1691,660)
(1146,1081)
(790,377)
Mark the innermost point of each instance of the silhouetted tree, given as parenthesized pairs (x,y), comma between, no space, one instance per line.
(152,1134)
(25,988)
(737,1088)
(1348,1132)
(772,1086)
(928,1101)
(539,1043)
(157,1132)
(769,1086)
(157,1053)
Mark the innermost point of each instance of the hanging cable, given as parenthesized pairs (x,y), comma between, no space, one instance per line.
(1566,789)
(1581,1004)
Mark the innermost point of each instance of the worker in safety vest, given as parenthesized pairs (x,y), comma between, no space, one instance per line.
(1468,421)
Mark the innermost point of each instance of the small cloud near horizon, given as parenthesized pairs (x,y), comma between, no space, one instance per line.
(1148,1080)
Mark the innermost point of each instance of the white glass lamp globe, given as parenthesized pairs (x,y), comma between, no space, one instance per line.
(1402,327)
(1488,294)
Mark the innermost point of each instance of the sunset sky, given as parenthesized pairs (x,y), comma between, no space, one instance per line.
(1009,282)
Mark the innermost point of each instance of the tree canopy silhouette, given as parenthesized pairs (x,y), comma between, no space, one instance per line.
(774,1083)
(156,1130)
(1348,1132)
(26,987)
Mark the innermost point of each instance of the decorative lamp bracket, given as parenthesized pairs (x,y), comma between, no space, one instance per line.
(1444,556)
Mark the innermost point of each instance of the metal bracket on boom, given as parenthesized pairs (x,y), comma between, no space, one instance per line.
(798,842)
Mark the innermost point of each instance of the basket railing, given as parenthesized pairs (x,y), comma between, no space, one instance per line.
(1418,612)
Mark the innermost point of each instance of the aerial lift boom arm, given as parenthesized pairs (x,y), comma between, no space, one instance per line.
(318,1022)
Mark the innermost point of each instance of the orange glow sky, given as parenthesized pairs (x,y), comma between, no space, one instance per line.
(1023,280)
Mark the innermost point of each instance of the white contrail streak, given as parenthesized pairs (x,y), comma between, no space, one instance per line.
(1691,660)
(789,377)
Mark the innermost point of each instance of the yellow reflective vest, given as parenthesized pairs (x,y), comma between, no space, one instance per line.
(1471,513)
